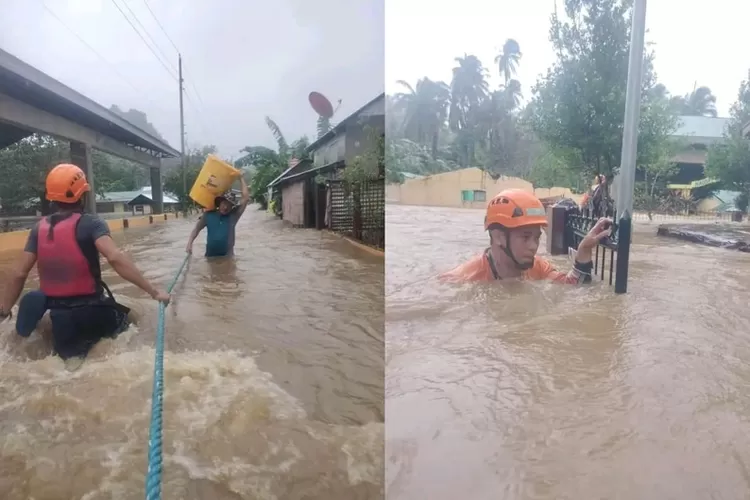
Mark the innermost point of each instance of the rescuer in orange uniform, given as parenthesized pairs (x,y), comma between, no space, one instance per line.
(65,247)
(515,220)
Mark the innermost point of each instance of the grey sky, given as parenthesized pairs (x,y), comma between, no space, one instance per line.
(245,59)
(694,42)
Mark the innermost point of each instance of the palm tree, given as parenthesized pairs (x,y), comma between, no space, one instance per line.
(508,58)
(278,135)
(512,94)
(324,125)
(424,111)
(469,90)
(699,102)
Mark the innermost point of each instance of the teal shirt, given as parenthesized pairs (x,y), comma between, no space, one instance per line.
(221,232)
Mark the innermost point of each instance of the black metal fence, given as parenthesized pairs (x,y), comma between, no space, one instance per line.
(358,210)
(577,225)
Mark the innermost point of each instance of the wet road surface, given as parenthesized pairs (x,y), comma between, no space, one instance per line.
(542,391)
(273,378)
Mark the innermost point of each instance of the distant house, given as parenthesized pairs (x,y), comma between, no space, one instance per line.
(720,201)
(303,200)
(697,134)
(135,202)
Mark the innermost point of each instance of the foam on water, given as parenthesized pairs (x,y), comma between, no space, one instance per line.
(229,430)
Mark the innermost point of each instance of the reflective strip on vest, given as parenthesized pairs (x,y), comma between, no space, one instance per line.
(64,270)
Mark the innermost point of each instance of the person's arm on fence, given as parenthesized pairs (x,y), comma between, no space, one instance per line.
(581,272)
(194,233)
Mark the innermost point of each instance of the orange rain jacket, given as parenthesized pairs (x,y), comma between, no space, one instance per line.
(478,269)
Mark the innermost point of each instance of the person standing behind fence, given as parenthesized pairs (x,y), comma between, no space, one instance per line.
(514,220)
(221,224)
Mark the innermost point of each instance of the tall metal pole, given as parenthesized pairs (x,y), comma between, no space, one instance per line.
(182,137)
(626,183)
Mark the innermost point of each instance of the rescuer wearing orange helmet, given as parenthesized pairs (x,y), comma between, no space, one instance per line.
(65,247)
(515,220)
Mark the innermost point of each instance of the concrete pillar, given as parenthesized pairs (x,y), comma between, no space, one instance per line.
(157,196)
(80,155)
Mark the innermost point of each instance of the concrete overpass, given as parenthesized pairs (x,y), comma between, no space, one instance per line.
(33,102)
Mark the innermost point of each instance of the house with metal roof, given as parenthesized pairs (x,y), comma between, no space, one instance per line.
(303,200)
(135,202)
(695,134)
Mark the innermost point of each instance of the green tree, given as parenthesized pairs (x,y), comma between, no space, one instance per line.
(555,169)
(323,126)
(27,162)
(700,102)
(25,165)
(425,111)
(469,88)
(729,161)
(264,164)
(579,105)
(507,60)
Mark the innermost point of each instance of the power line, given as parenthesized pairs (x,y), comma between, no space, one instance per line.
(161,27)
(198,112)
(97,53)
(143,39)
(149,36)
(195,90)
(164,31)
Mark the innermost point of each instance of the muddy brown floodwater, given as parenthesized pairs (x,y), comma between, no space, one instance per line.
(273,378)
(541,391)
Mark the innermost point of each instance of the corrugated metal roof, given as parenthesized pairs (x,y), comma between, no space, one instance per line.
(701,126)
(128,196)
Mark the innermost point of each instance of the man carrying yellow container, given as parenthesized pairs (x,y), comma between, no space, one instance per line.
(220,224)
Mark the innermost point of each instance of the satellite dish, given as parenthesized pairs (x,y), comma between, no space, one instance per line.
(321,104)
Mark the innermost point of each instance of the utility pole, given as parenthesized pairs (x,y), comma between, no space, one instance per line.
(626,183)
(182,137)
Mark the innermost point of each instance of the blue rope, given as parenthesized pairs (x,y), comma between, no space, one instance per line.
(153,476)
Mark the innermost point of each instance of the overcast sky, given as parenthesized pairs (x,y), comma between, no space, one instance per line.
(694,41)
(243,60)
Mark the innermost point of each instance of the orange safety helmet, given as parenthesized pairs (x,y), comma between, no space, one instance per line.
(66,183)
(514,208)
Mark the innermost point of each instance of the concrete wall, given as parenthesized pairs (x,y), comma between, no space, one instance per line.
(557,191)
(16,240)
(445,190)
(293,203)
(708,205)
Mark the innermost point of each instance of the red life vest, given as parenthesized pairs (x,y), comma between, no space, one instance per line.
(64,270)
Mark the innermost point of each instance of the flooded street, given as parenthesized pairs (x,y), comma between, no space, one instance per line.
(542,391)
(273,378)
